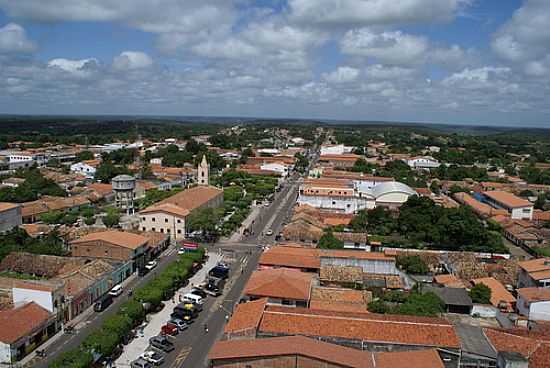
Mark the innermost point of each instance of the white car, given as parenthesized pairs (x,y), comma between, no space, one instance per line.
(150,265)
(269,232)
(116,290)
(153,357)
(181,251)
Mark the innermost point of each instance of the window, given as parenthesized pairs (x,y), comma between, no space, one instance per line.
(179,221)
(161,230)
(153,229)
(179,231)
(165,220)
(143,218)
(144,229)
(333,203)
(153,219)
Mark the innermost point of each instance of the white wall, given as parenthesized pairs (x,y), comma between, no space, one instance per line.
(519,213)
(5,353)
(333,150)
(177,230)
(540,311)
(344,204)
(42,298)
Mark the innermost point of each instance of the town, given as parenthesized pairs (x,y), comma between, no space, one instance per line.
(273,245)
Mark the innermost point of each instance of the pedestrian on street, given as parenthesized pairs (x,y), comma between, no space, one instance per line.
(205,328)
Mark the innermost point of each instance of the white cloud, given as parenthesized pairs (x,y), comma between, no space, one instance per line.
(83,68)
(129,60)
(391,47)
(13,38)
(343,74)
(347,13)
(378,71)
(479,75)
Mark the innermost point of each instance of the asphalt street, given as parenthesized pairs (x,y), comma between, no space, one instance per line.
(192,345)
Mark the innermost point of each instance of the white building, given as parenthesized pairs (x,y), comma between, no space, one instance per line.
(354,197)
(268,151)
(534,303)
(165,218)
(423,162)
(156,161)
(84,169)
(519,209)
(276,167)
(339,149)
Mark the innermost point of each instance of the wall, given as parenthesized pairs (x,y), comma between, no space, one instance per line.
(368,265)
(347,205)
(540,311)
(519,213)
(165,222)
(484,311)
(5,353)
(42,298)
(98,249)
(10,219)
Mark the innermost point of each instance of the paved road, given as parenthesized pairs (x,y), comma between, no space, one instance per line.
(194,344)
(95,320)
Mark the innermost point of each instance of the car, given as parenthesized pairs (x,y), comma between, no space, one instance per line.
(153,357)
(169,329)
(103,303)
(162,343)
(269,232)
(150,265)
(116,290)
(198,291)
(182,325)
(219,272)
(181,251)
(141,363)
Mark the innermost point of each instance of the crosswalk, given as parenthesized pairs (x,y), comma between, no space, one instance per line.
(181,357)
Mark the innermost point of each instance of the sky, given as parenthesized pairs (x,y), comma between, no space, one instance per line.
(483,62)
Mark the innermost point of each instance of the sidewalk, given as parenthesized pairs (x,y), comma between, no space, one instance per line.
(155,321)
(238,235)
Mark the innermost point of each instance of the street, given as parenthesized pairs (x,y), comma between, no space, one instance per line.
(192,345)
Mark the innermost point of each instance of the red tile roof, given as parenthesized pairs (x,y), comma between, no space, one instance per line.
(507,199)
(411,359)
(193,198)
(535,350)
(291,345)
(282,256)
(538,269)
(534,294)
(168,208)
(403,330)
(21,321)
(246,316)
(499,293)
(5,206)
(280,283)
(119,238)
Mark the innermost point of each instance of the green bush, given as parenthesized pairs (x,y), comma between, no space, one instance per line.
(481,294)
(77,358)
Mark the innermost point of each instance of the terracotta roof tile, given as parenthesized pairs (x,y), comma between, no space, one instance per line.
(449,280)
(291,257)
(534,294)
(193,198)
(280,283)
(507,199)
(21,321)
(499,293)
(369,327)
(5,206)
(119,238)
(411,359)
(168,208)
(537,351)
(538,269)
(246,316)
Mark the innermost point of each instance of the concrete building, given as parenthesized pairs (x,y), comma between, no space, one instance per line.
(518,208)
(534,303)
(124,187)
(281,169)
(23,329)
(338,149)
(280,286)
(119,246)
(169,215)
(10,216)
(86,168)
(422,162)
(534,273)
(370,262)
(203,172)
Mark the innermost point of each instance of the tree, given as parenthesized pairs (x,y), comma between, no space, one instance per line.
(112,218)
(435,187)
(329,241)
(302,162)
(361,165)
(107,171)
(412,264)
(481,294)
(85,155)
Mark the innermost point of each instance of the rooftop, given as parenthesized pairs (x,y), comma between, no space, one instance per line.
(21,321)
(534,294)
(246,316)
(499,293)
(193,198)
(507,199)
(280,283)
(538,269)
(5,206)
(168,208)
(118,238)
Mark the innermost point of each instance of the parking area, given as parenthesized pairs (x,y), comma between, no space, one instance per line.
(155,322)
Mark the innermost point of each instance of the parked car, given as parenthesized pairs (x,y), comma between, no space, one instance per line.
(116,290)
(219,272)
(150,265)
(141,363)
(215,286)
(103,303)
(200,292)
(169,329)
(153,357)
(269,232)
(182,325)
(162,343)
(193,298)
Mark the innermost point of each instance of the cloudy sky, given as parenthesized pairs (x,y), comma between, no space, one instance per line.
(445,61)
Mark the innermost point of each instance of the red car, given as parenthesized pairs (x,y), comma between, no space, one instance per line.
(169,329)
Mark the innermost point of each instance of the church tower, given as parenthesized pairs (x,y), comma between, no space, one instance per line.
(203,171)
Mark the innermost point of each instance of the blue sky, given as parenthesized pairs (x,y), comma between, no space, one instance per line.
(443,61)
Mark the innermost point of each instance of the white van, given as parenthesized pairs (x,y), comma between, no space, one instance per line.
(193,298)
(116,290)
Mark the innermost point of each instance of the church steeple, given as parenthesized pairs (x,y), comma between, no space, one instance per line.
(203,171)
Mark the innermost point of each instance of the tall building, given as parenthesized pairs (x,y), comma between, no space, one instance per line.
(124,187)
(203,171)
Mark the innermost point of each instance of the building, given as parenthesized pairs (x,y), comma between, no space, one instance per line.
(301,352)
(422,162)
(296,258)
(24,328)
(534,303)
(119,246)
(341,161)
(124,187)
(369,262)
(203,172)
(281,169)
(31,211)
(86,168)
(10,216)
(456,300)
(500,297)
(169,215)
(280,286)
(349,197)
(534,273)
(518,208)
(339,149)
